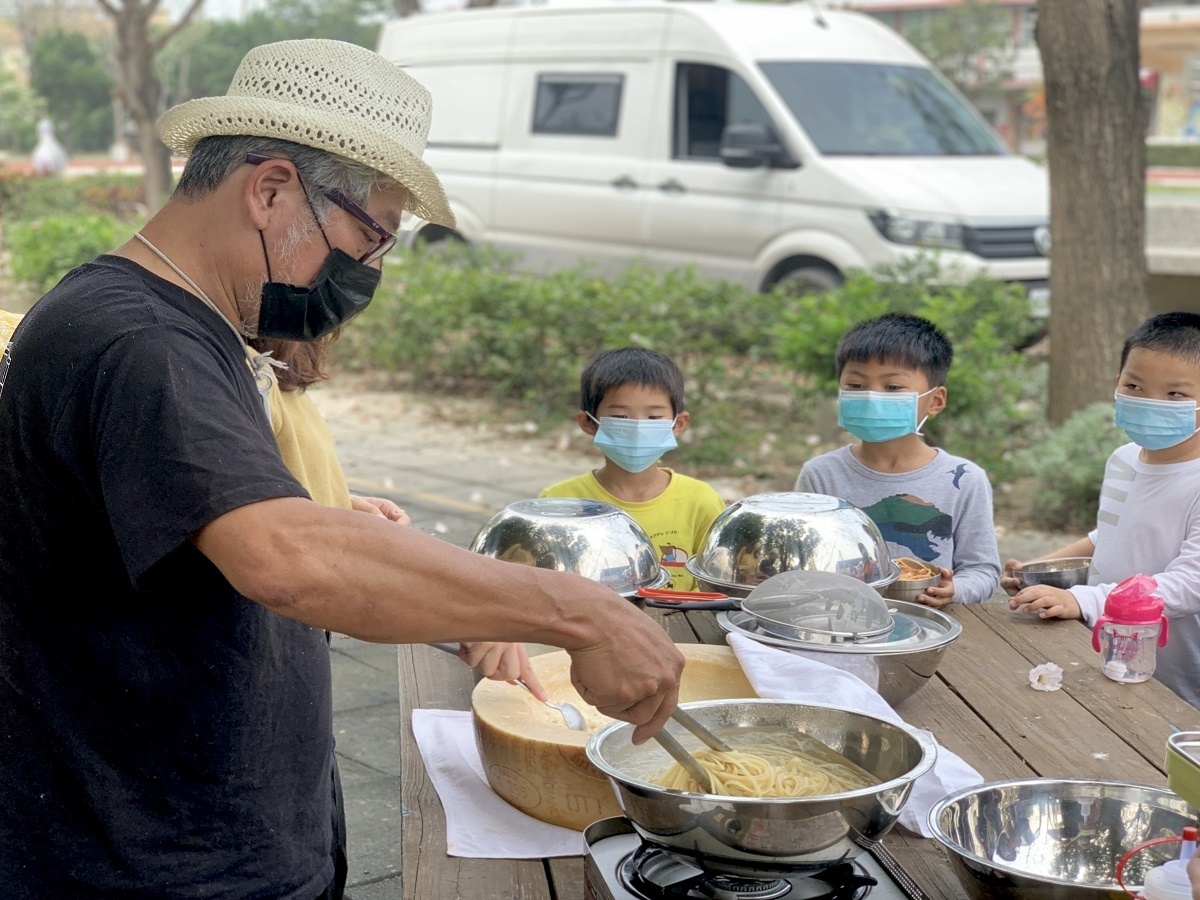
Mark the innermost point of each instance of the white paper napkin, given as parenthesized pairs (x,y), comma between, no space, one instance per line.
(779,674)
(479,823)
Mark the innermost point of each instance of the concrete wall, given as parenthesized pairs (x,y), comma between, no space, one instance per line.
(1173,256)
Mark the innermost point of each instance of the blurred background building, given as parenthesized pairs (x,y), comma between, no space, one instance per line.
(1004,79)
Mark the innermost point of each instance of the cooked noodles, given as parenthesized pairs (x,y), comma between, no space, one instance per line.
(772,765)
(911,569)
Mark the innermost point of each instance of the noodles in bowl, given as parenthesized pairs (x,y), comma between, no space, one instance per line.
(762,763)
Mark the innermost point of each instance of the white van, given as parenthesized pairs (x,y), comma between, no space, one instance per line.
(762,143)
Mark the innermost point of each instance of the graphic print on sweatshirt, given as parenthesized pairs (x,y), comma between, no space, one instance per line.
(912,523)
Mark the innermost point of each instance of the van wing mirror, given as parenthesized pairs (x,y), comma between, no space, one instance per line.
(748,145)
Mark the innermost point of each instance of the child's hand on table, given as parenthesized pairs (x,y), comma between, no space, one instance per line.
(1048,602)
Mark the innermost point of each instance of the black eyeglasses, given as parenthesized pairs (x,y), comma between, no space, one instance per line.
(387,240)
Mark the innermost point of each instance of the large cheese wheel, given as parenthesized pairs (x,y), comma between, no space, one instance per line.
(538,765)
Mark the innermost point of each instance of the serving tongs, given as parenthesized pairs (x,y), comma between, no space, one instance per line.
(571,715)
(679,753)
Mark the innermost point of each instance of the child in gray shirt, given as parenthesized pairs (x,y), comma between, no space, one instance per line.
(928,504)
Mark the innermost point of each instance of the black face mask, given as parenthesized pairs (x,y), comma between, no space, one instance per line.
(342,289)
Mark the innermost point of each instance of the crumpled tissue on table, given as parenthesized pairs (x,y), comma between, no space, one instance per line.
(779,674)
(479,823)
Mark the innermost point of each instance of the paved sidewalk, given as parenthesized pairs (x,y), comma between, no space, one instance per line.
(450,479)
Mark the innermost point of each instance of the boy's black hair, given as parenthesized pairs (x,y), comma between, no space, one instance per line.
(1176,333)
(629,365)
(899,339)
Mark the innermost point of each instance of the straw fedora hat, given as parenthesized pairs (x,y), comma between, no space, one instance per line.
(325,94)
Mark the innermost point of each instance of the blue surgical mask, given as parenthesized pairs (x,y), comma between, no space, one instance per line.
(634,444)
(878,416)
(1156,424)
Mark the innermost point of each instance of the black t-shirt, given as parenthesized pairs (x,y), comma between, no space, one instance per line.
(160,735)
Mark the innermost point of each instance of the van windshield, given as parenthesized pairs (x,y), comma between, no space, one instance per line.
(868,109)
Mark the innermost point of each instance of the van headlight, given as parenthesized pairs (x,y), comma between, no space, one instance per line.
(918,230)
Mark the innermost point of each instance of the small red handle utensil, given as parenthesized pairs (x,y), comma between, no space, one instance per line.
(660,599)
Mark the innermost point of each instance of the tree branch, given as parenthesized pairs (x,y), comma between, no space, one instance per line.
(165,38)
(109,8)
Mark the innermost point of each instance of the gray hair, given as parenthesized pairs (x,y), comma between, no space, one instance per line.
(214,159)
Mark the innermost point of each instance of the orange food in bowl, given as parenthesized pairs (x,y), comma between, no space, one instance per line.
(911,569)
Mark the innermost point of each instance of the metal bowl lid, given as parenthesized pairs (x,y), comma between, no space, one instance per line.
(590,538)
(819,608)
(766,534)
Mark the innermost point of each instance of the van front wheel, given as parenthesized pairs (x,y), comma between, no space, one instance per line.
(438,239)
(808,280)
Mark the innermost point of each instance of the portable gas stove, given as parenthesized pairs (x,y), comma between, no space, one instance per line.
(619,865)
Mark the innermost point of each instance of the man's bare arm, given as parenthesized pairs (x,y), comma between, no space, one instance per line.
(362,576)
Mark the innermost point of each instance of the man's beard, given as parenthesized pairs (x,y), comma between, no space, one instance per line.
(284,253)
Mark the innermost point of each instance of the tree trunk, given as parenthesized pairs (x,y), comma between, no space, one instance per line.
(1097,158)
(139,88)
(406,7)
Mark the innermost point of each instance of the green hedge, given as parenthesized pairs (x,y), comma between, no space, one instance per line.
(52,225)
(44,250)
(1179,155)
(761,386)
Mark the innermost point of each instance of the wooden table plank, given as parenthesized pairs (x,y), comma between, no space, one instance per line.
(431,679)
(566,876)
(1052,732)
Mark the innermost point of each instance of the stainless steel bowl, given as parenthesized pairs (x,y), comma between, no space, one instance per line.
(1065,572)
(740,835)
(1054,839)
(766,534)
(587,537)
(909,589)
(896,666)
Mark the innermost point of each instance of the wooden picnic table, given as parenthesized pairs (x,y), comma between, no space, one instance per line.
(979,704)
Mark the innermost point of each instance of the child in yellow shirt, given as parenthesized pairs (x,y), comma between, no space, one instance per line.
(631,403)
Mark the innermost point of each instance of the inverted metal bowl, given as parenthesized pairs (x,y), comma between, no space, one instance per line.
(589,538)
(1065,572)
(766,534)
(1054,839)
(897,665)
(741,835)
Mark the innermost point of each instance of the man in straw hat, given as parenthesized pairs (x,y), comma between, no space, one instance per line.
(164,679)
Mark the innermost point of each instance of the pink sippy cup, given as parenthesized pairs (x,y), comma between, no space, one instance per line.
(1133,624)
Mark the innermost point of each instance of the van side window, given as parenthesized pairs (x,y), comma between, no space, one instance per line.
(588,105)
(708,98)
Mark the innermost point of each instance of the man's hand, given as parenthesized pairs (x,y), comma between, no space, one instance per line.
(380,506)
(940,594)
(1048,602)
(502,662)
(631,674)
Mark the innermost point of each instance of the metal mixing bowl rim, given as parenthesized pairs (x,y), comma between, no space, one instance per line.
(926,742)
(954,846)
(1086,560)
